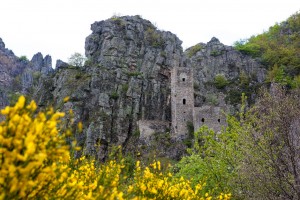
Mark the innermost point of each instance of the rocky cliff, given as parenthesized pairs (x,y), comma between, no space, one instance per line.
(123,92)
(19,75)
(126,79)
(222,74)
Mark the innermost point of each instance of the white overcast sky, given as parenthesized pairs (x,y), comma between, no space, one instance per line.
(59,27)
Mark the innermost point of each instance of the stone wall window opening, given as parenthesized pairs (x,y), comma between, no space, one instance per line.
(184,101)
(203,120)
(219,120)
(183,77)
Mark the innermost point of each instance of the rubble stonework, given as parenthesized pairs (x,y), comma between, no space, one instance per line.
(183,109)
(182,98)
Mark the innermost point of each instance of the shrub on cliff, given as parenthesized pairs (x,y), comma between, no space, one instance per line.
(220,81)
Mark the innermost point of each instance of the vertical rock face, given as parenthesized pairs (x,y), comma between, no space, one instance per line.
(132,75)
(11,69)
(221,74)
(18,75)
(125,79)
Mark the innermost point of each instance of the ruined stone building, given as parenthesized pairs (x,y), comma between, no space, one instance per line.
(183,109)
(182,100)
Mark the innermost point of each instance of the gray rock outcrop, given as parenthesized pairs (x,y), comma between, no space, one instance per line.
(18,75)
(125,85)
(237,73)
(126,79)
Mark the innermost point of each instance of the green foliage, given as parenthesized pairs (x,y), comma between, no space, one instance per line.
(36,77)
(88,62)
(278,75)
(190,137)
(193,50)
(244,79)
(118,21)
(220,81)
(278,46)
(213,160)
(23,58)
(270,136)
(247,48)
(137,133)
(234,96)
(78,76)
(216,53)
(125,88)
(36,163)
(134,73)
(212,99)
(77,60)
(296,82)
(153,37)
(255,157)
(13,97)
(114,95)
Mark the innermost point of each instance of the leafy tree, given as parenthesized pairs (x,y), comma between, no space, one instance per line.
(77,60)
(213,159)
(271,137)
(247,48)
(277,46)
(23,58)
(258,156)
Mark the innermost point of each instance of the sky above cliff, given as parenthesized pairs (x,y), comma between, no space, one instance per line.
(59,27)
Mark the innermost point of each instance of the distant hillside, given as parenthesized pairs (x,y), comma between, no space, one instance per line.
(279,50)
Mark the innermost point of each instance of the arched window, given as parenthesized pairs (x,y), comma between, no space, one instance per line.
(183,77)
(219,120)
(202,120)
(184,101)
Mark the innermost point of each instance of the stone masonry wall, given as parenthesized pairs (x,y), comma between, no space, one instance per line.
(211,116)
(182,98)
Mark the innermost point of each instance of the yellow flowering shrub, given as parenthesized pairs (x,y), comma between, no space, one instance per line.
(32,153)
(152,183)
(35,163)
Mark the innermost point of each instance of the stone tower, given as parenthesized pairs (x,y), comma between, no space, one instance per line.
(182,98)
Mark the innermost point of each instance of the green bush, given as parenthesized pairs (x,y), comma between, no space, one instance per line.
(114,95)
(193,50)
(211,160)
(153,37)
(212,99)
(247,48)
(216,53)
(23,58)
(220,81)
(125,87)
